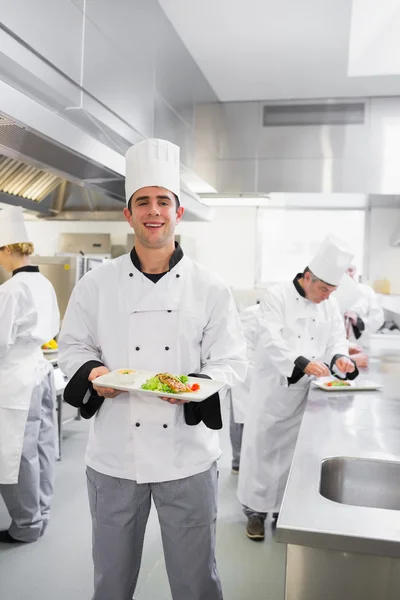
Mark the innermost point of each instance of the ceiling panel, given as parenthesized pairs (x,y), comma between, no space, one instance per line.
(262,49)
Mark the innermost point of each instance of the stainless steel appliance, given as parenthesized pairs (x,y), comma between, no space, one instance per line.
(64,272)
(85,243)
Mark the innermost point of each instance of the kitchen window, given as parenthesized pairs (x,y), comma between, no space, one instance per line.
(288,238)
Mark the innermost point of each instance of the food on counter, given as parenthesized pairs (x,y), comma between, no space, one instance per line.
(170,384)
(52,345)
(338,383)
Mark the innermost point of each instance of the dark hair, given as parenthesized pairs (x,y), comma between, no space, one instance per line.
(176,200)
(314,278)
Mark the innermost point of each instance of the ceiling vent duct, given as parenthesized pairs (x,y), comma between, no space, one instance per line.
(19,142)
(338,113)
(25,181)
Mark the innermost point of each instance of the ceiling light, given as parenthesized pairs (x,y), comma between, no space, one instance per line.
(236,200)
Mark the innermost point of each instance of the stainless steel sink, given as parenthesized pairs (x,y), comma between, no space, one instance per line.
(361,482)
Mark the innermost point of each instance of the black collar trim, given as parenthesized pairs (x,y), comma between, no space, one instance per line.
(297,285)
(173,261)
(27,269)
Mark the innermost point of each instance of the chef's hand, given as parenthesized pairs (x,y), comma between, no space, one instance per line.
(350,314)
(345,365)
(361,360)
(317,368)
(354,349)
(173,400)
(102,391)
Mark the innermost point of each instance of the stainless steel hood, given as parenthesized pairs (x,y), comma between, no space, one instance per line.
(44,146)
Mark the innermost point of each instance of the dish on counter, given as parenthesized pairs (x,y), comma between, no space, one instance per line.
(337,385)
(50,347)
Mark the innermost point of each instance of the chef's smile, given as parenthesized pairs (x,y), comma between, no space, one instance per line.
(153,224)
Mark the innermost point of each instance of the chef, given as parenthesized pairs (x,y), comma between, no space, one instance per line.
(153,309)
(366,316)
(301,332)
(29,318)
(240,395)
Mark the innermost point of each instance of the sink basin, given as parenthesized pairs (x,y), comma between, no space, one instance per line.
(361,482)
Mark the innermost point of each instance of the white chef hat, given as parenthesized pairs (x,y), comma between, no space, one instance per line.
(152,162)
(331,261)
(12,226)
(348,293)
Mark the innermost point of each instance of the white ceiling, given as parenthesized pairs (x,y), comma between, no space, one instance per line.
(273,49)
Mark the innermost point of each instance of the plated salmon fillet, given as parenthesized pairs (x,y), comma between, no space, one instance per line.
(173,382)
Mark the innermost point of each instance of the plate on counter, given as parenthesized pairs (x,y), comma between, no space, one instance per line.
(355,386)
(208,387)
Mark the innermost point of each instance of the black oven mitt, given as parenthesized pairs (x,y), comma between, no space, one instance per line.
(208,411)
(79,391)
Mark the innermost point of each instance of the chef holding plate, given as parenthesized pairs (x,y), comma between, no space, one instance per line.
(156,310)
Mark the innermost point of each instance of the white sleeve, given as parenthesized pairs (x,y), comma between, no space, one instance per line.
(271,342)
(337,343)
(374,318)
(8,320)
(223,348)
(78,338)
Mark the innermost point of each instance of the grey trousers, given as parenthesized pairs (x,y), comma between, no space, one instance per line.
(28,501)
(187,513)
(236,435)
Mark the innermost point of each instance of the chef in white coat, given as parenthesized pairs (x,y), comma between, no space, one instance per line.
(366,316)
(301,332)
(153,309)
(29,317)
(240,394)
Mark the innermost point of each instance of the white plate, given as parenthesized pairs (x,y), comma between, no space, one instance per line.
(50,351)
(208,387)
(355,386)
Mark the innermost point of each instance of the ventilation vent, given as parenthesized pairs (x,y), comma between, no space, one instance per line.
(345,113)
(23,180)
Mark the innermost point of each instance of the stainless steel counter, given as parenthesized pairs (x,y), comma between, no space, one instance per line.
(339,424)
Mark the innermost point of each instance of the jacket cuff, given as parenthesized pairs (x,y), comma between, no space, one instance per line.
(358,328)
(77,389)
(208,411)
(301,362)
(349,376)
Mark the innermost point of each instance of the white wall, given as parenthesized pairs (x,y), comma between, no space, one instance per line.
(46,234)
(227,245)
(384,259)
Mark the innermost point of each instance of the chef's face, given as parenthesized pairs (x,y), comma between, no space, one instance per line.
(154,216)
(5,258)
(317,291)
(351,271)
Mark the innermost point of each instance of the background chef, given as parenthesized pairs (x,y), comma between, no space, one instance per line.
(29,318)
(240,394)
(366,316)
(158,310)
(300,329)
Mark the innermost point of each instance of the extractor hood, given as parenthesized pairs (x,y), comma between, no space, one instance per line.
(42,148)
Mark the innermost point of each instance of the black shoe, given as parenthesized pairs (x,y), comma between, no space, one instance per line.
(275,517)
(235,470)
(255,529)
(6,538)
